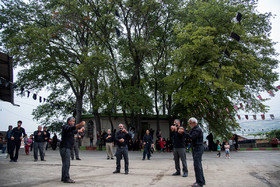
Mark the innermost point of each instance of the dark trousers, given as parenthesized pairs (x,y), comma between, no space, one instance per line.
(122,152)
(75,149)
(9,143)
(38,146)
(65,154)
(197,152)
(147,151)
(15,144)
(180,153)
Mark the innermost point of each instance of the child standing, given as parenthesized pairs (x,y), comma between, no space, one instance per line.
(227,146)
(219,149)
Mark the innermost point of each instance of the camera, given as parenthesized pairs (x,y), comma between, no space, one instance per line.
(121,129)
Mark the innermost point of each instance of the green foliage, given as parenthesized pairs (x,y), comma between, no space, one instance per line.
(168,55)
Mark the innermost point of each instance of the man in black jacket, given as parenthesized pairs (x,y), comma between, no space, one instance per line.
(122,137)
(66,144)
(17,135)
(179,148)
(196,136)
(39,144)
(148,143)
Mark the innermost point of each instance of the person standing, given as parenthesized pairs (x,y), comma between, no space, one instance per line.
(219,150)
(46,139)
(148,144)
(91,141)
(122,138)
(8,139)
(66,144)
(54,142)
(179,148)
(17,135)
(38,144)
(76,147)
(227,147)
(210,142)
(196,136)
(109,139)
(236,142)
(27,143)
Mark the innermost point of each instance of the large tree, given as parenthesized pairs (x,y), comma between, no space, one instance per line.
(207,83)
(142,57)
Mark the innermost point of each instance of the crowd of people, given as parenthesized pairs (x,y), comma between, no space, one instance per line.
(39,141)
(123,140)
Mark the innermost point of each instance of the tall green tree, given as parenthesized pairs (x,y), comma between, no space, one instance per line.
(208,84)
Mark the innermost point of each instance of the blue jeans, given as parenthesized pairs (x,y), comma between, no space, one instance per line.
(65,154)
(122,152)
(197,158)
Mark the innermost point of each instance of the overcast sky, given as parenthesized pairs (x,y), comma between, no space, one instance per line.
(10,114)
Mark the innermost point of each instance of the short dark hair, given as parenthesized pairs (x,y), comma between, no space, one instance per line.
(69,119)
(19,121)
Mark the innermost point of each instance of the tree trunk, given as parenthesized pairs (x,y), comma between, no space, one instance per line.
(156,104)
(79,107)
(97,121)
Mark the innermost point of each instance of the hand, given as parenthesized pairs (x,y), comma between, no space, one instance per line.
(121,140)
(80,125)
(21,138)
(12,138)
(124,130)
(45,133)
(39,134)
(144,143)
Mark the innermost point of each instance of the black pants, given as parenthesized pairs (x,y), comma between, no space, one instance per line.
(197,158)
(15,144)
(122,152)
(65,154)
(147,151)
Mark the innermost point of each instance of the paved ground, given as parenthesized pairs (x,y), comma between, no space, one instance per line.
(245,168)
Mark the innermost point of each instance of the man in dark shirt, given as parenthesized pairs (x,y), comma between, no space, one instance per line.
(38,144)
(179,149)
(8,139)
(148,143)
(75,148)
(47,136)
(17,135)
(196,136)
(122,138)
(109,139)
(66,144)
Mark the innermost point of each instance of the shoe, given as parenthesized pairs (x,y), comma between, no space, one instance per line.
(43,160)
(112,158)
(176,173)
(15,160)
(149,159)
(143,158)
(185,174)
(116,171)
(35,160)
(126,172)
(108,158)
(72,158)
(196,185)
(11,160)
(69,181)
(78,159)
